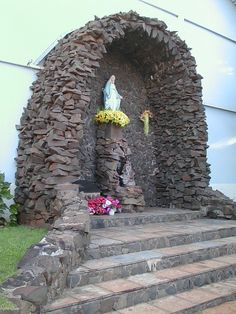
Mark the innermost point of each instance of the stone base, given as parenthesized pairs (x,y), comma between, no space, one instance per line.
(128,209)
(131,198)
(113,131)
(114,171)
(132,208)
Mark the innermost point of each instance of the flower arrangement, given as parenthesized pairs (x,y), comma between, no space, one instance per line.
(145,118)
(103,206)
(112,116)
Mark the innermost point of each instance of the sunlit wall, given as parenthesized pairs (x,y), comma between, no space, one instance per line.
(15,92)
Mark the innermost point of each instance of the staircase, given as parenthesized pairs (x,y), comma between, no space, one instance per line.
(160,261)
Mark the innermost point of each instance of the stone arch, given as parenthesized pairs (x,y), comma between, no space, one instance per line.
(57,134)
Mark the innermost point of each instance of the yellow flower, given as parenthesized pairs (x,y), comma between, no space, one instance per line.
(111,116)
(145,114)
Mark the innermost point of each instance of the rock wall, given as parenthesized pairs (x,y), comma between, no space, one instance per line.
(182,137)
(114,171)
(57,133)
(130,84)
(42,272)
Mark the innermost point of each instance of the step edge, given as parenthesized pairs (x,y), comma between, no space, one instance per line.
(201,234)
(161,285)
(73,280)
(193,216)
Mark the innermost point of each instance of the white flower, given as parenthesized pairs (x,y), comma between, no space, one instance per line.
(107,203)
(111,212)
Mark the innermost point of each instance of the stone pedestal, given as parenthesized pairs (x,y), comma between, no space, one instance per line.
(113,131)
(115,175)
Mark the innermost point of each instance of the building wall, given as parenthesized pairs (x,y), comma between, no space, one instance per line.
(213,43)
(208,27)
(15,81)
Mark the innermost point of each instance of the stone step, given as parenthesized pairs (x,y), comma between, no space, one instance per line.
(136,238)
(150,215)
(225,308)
(121,266)
(215,298)
(122,293)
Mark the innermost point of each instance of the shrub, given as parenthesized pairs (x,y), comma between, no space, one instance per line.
(6,210)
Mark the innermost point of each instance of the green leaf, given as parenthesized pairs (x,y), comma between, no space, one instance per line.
(2,177)
(13,208)
(6,194)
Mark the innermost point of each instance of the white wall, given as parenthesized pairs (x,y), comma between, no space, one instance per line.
(14,82)
(222,150)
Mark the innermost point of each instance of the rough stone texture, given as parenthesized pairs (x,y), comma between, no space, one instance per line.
(216,205)
(114,171)
(130,84)
(43,270)
(150,215)
(57,133)
(191,254)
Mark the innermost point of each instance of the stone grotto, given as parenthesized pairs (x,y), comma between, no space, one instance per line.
(59,142)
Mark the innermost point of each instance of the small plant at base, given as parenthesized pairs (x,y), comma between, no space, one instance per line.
(5,194)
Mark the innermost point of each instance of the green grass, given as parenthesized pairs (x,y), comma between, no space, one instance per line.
(14,242)
(5,304)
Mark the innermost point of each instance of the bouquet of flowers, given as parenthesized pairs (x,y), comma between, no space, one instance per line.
(112,116)
(145,116)
(103,206)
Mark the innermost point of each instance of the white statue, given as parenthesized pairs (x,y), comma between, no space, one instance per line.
(112,98)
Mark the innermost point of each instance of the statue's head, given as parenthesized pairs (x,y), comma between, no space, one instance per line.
(112,79)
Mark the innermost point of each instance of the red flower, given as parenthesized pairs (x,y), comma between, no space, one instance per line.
(102,205)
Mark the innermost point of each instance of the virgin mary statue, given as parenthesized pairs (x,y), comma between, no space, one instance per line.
(112,98)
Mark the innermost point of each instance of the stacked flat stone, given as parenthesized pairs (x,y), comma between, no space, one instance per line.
(42,272)
(57,133)
(115,175)
(217,205)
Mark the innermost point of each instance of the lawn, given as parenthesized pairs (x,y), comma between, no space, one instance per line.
(14,242)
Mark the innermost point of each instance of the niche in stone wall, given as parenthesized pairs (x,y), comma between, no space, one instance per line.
(130,84)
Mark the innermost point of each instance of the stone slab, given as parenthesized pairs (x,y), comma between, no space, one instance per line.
(194,301)
(123,293)
(172,304)
(119,285)
(149,215)
(225,308)
(143,308)
(156,235)
(119,266)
